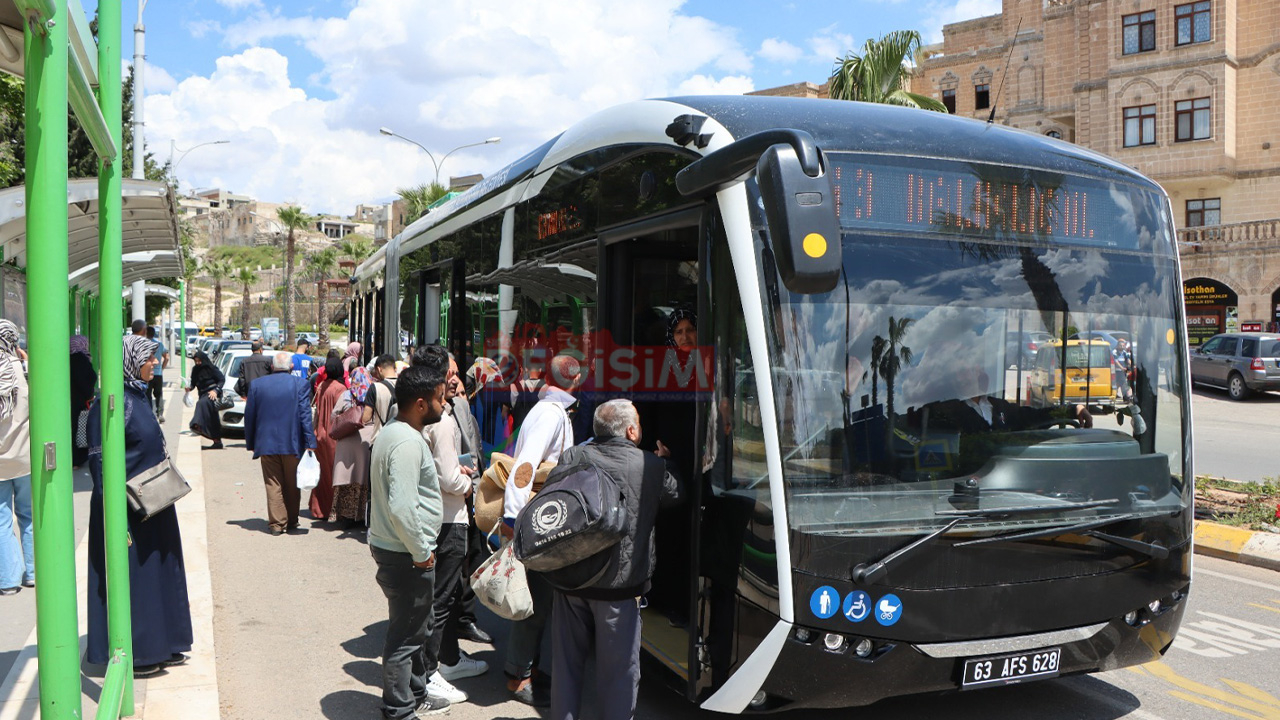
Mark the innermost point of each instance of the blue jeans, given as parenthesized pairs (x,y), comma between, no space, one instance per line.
(17,560)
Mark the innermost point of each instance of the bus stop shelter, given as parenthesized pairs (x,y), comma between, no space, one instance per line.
(49,44)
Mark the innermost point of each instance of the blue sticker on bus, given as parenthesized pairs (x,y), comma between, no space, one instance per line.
(824,602)
(857,606)
(888,610)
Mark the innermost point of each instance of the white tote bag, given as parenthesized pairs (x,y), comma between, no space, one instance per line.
(308,471)
(501,584)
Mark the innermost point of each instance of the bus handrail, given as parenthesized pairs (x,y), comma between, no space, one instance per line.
(732,163)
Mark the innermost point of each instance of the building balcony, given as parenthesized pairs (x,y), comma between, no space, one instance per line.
(1256,235)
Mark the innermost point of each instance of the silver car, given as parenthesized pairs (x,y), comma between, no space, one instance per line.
(1243,363)
(229,363)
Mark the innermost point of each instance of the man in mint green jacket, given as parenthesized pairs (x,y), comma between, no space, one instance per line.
(404,520)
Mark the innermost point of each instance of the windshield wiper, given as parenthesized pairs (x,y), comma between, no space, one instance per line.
(1089,528)
(1025,509)
(871,572)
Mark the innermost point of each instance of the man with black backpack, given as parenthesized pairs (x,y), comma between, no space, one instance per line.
(606,613)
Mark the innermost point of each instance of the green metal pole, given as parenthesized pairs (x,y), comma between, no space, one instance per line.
(57,624)
(182,318)
(115,509)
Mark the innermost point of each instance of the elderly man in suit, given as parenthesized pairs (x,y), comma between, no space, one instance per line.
(277,430)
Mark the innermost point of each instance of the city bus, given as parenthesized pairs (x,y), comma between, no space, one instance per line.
(876,507)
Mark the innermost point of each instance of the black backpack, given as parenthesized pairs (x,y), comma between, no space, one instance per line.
(578,515)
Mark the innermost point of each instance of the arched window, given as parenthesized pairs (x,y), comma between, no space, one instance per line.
(1054,134)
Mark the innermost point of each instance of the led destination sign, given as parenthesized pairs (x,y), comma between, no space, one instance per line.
(944,197)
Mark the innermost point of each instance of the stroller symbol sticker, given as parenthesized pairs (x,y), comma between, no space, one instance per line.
(857,606)
(824,602)
(888,610)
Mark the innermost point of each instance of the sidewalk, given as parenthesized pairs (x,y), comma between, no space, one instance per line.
(1242,546)
(189,692)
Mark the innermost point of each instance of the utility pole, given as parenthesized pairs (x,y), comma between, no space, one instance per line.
(139,304)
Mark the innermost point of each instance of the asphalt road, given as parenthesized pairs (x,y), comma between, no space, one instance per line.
(1235,439)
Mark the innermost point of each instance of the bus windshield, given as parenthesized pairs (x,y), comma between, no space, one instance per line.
(912,391)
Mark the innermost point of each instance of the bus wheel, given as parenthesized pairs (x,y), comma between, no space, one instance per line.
(1236,387)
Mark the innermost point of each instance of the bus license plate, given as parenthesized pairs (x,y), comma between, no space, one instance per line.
(1008,669)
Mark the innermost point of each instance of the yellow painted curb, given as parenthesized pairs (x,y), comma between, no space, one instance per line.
(1221,539)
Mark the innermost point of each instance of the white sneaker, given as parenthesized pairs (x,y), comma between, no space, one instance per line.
(467,667)
(439,687)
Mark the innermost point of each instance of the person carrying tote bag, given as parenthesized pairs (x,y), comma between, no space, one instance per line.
(157,573)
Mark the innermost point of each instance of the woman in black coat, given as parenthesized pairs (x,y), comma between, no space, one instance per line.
(207,380)
(83,382)
(157,574)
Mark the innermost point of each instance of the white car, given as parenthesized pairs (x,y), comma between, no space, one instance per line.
(229,363)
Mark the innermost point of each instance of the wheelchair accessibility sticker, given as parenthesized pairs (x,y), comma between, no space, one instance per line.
(824,602)
(888,610)
(857,606)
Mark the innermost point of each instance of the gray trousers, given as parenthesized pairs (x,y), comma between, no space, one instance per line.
(612,628)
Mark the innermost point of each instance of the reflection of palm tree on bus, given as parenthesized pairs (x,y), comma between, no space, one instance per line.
(895,355)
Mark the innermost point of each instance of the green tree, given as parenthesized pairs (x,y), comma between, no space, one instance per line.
(877,73)
(293,219)
(420,197)
(246,277)
(218,270)
(321,265)
(190,269)
(356,247)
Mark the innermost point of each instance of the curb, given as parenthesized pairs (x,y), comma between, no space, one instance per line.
(1243,546)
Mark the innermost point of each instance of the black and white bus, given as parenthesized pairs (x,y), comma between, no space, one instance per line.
(876,508)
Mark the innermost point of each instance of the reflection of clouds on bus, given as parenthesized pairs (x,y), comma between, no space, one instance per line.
(944,339)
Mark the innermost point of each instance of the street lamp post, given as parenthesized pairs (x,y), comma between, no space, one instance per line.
(438,165)
(173,147)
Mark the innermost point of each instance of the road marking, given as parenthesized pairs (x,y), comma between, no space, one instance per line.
(1122,709)
(1246,581)
(1244,701)
(1266,607)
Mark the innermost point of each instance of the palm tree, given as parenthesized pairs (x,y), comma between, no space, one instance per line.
(895,355)
(321,266)
(190,268)
(417,199)
(356,247)
(877,354)
(246,277)
(878,73)
(293,219)
(217,270)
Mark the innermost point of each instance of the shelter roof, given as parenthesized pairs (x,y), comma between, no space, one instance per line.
(150,237)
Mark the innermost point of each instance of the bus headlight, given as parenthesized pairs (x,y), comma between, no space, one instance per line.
(864,648)
(759,699)
(833,642)
(803,635)
(1131,617)
(1154,607)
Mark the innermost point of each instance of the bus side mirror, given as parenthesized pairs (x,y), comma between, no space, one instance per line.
(804,227)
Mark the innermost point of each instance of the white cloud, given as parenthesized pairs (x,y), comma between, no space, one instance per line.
(155,78)
(239,4)
(938,14)
(829,44)
(200,28)
(780,51)
(443,72)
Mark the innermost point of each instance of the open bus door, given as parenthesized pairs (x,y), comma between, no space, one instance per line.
(649,271)
(440,308)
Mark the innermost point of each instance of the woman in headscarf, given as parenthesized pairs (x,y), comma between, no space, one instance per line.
(352,358)
(207,380)
(83,382)
(17,559)
(157,573)
(326,398)
(351,456)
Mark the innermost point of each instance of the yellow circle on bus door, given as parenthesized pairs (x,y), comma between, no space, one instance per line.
(1169,336)
(815,246)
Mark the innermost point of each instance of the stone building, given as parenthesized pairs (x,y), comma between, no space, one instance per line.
(1185,92)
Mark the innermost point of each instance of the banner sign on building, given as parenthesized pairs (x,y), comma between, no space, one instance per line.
(1211,309)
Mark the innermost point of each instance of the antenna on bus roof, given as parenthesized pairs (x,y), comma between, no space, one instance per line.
(1012,43)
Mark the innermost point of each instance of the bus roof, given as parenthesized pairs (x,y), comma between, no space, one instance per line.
(836,125)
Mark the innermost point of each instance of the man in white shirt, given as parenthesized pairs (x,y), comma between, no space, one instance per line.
(545,433)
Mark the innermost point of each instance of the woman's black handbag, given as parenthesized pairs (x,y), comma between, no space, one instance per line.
(155,489)
(223,402)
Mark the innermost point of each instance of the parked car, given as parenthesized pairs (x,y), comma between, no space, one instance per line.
(1110,336)
(1080,374)
(310,337)
(208,331)
(220,347)
(193,343)
(229,363)
(1021,349)
(1243,363)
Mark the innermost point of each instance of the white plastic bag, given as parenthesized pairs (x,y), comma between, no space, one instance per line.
(188,400)
(308,471)
(501,584)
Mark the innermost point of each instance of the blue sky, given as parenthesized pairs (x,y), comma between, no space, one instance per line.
(300,88)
